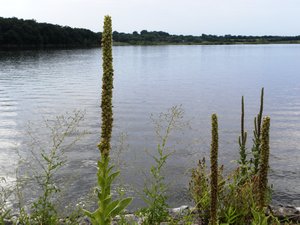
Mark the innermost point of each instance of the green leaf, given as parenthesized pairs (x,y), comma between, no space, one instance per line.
(45,157)
(164,158)
(99,217)
(109,169)
(107,200)
(99,194)
(100,165)
(101,181)
(88,214)
(121,206)
(111,177)
(110,208)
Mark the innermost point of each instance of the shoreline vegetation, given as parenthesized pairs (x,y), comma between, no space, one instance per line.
(28,34)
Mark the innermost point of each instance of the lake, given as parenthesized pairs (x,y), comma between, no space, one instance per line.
(149,80)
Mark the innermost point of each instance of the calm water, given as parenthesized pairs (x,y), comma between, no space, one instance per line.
(149,80)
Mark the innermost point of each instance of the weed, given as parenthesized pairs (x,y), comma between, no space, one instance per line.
(200,189)
(155,193)
(260,217)
(257,133)
(233,199)
(264,166)
(242,142)
(214,170)
(5,193)
(44,164)
(40,168)
(231,216)
(239,197)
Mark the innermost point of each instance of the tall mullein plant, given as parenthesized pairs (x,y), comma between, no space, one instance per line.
(214,170)
(257,133)
(107,208)
(242,141)
(264,163)
(107,88)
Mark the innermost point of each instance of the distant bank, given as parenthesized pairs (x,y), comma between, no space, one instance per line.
(19,33)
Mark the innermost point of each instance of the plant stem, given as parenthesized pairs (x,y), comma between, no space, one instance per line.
(257,133)
(264,165)
(242,140)
(214,170)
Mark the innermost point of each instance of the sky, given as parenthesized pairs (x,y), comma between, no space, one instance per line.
(195,17)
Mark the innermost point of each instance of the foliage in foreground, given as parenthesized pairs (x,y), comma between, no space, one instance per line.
(242,195)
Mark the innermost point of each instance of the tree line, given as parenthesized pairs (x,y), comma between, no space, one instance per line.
(20,33)
(159,37)
(16,32)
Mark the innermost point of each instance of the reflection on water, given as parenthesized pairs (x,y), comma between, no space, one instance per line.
(9,135)
(150,79)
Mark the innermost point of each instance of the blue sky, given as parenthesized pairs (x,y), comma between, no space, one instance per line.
(246,17)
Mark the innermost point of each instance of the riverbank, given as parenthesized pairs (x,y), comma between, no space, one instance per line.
(288,215)
(188,215)
(203,43)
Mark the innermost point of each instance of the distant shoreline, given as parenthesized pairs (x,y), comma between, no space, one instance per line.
(29,34)
(62,47)
(206,43)
(47,47)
